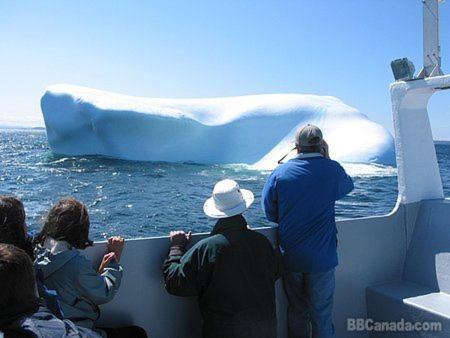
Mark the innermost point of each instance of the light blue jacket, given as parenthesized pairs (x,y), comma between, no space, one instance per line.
(81,289)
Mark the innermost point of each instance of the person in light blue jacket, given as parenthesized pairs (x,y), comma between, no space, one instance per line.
(81,288)
(62,267)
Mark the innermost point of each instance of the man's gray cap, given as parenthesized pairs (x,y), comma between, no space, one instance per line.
(308,136)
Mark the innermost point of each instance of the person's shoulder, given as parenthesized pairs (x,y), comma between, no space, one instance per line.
(260,237)
(46,260)
(80,256)
(211,242)
(286,166)
(80,261)
(277,169)
(210,247)
(338,166)
(291,163)
(331,163)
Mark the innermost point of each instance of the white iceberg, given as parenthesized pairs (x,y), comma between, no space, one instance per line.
(253,129)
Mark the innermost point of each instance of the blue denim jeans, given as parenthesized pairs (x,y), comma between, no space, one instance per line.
(310,310)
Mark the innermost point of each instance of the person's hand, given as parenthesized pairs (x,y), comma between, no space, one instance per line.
(325,152)
(115,245)
(179,238)
(105,261)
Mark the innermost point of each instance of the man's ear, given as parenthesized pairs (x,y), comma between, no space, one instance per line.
(299,150)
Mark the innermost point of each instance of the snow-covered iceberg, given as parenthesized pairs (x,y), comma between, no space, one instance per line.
(253,129)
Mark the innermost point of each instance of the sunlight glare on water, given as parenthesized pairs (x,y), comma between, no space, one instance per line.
(139,199)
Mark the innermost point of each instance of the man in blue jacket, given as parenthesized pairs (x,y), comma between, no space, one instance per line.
(300,196)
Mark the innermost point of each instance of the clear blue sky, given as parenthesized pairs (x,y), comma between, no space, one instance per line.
(181,48)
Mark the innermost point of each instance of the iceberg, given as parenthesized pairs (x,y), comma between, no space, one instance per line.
(254,129)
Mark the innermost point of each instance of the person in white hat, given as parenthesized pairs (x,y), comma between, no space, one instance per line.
(232,271)
(300,196)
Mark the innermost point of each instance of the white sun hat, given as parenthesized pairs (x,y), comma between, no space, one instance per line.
(228,200)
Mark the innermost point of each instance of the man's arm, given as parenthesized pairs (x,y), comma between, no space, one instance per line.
(270,199)
(344,183)
(181,268)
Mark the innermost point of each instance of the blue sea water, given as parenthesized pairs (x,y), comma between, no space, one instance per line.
(140,199)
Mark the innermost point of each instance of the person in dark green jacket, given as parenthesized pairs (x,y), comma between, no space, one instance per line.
(232,272)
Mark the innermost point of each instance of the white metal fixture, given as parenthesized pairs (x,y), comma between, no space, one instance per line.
(431,47)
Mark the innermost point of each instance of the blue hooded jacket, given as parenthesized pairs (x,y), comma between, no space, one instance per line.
(80,288)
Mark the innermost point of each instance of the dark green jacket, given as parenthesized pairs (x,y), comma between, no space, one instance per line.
(233,274)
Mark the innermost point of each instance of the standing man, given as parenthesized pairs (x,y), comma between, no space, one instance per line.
(300,196)
(232,272)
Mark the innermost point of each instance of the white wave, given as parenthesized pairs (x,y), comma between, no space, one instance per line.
(369,170)
(353,169)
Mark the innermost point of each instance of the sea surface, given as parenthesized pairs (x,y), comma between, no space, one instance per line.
(141,199)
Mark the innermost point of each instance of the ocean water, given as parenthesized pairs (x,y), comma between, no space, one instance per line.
(140,199)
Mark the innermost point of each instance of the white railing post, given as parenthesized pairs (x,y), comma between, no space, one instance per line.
(418,171)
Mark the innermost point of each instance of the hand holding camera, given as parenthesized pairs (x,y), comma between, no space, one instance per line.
(324,151)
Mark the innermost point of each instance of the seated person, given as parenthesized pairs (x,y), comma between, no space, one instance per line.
(13,230)
(232,272)
(13,227)
(80,288)
(21,314)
